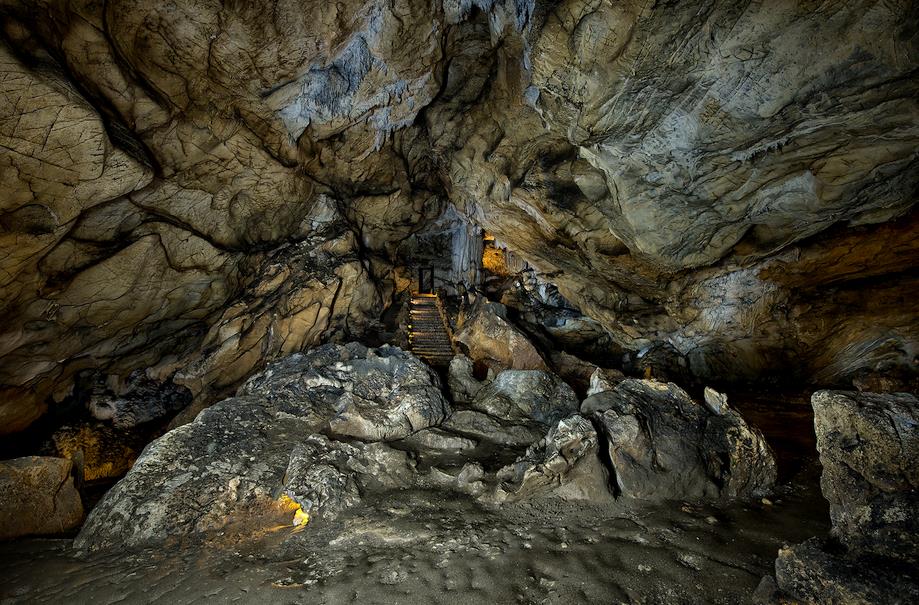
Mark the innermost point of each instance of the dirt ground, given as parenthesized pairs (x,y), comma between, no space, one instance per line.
(420,547)
(430,547)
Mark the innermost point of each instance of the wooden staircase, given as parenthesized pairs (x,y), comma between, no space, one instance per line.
(428,331)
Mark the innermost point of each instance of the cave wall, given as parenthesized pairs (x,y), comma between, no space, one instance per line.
(196,187)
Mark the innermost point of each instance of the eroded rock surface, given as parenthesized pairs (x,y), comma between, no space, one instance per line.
(238,457)
(526,395)
(37,496)
(565,463)
(868,446)
(717,185)
(663,445)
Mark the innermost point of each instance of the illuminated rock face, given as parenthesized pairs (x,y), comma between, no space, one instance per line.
(37,496)
(283,434)
(198,186)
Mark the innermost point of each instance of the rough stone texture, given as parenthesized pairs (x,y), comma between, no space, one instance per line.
(482,427)
(351,391)
(663,445)
(603,379)
(490,338)
(461,382)
(97,450)
(869,444)
(734,181)
(565,463)
(37,496)
(142,400)
(237,457)
(526,395)
(437,440)
(330,476)
(806,573)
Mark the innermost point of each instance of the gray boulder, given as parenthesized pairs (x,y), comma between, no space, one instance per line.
(351,391)
(663,445)
(564,463)
(604,379)
(482,427)
(37,496)
(807,573)
(325,477)
(138,401)
(869,445)
(526,395)
(462,384)
(243,456)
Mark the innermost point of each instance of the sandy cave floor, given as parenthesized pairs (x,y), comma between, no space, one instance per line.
(420,547)
(430,547)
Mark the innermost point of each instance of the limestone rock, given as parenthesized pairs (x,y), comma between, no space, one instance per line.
(37,496)
(492,339)
(238,457)
(604,379)
(97,450)
(437,440)
(717,403)
(142,400)
(564,463)
(526,395)
(663,445)
(351,391)
(325,476)
(868,446)
(482,427)
(461,381)
(807,573)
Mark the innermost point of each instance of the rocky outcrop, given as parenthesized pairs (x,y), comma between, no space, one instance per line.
(807,573)
(565,464)
(37,496)
(481,426)
(490,338)
(663,445)
(461,380)
(526,396)
(868,444)
(238,457)
(354,392)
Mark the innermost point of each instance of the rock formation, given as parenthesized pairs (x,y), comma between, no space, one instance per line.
(37,496)
(193,190)
(867,445)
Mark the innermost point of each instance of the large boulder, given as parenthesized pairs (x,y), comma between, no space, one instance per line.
(565,463)
(380,394)
(490,338)
(247,457)
(869,445)
(37,496)
(663,445)
(807,573)
(526,396)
